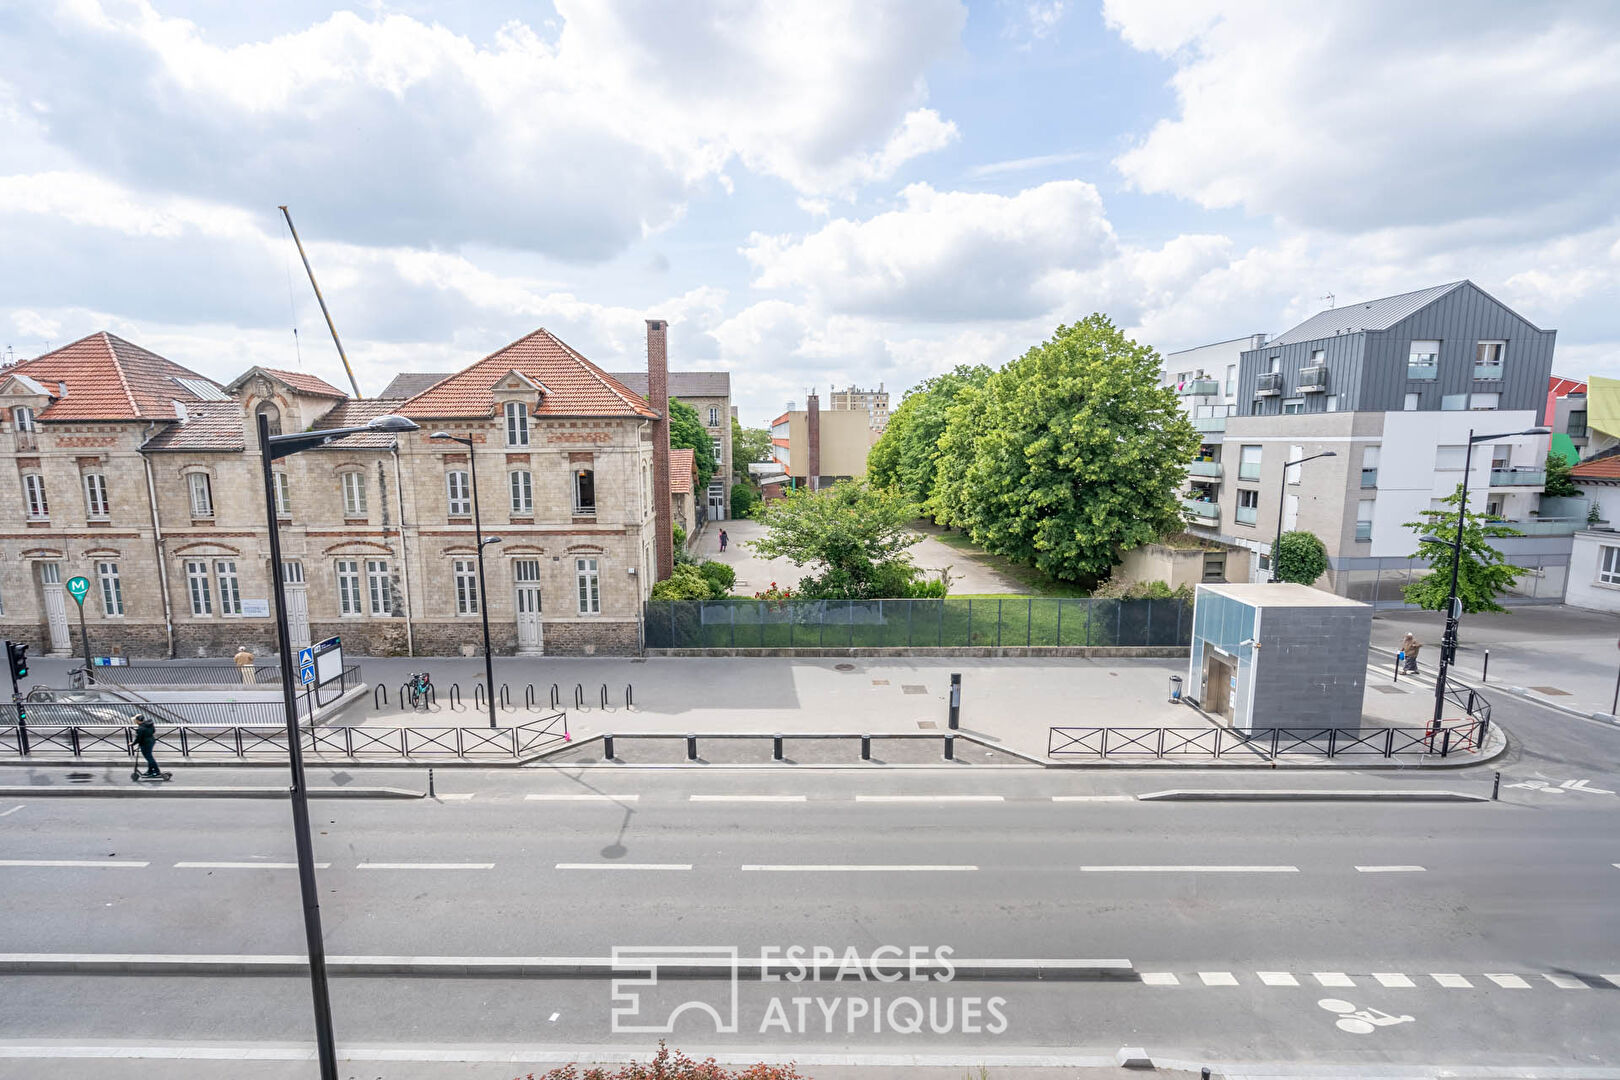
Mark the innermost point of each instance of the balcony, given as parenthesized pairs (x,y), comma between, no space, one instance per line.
(1369,478)
(1313,379)
(1488,372)
(1204,511)
(1517,476)
(1363,530)
(1268,384)
(1204,468)
(1208,424)
(1427,370)
(1200,387)
(1247,515)
(1548,526)
(1248,470)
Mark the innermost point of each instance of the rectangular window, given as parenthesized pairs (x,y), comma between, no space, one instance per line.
(1369,466)
(95,496)
(1248,499)
(112,590)
(1231,379)
(201,589)
(1483,402)
(1609,565)
(1453,402)
(22,422)
(1333,403)
(34,497)
(1214,566)
(1577,423)
(1249,463)
(458,493)
(714,416)
(348,580)
(1293,405)
(590,587)
(718,450)
(1411,404)
(1274,362)
(1423,360)
(465,574)
(1318,356)
(1364,519)
(584,491)
(354,495)
(230,590)
(517,424)
(283,494)
(292,572)
(202,495)
(378,589)
(1488,360)
(522,483)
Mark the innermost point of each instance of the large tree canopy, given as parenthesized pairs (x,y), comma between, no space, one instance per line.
(686,431)
(905,456)
(1483,572)
(854,534)
(1067,455)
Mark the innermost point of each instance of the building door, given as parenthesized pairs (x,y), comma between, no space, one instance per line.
(1220,674)
(50,577)
(717,500)
(526,580)
(292,577)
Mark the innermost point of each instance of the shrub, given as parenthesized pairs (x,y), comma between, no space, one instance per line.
(672,1065)
(720,576)
(686,583)
(1141,590)
(743,500)
(1301,557)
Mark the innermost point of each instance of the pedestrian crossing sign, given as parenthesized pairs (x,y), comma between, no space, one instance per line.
(306,673)
(306,657)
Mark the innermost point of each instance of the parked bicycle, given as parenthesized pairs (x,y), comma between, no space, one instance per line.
(419,690)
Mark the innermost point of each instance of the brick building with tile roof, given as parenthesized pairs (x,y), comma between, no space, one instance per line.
(145,477)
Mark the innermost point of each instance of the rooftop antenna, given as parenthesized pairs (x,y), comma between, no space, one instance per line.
(1331,299)
(341,356)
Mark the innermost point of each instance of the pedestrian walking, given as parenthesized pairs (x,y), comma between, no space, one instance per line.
(244,664)
(145,736)
(1409,650)
(724,540)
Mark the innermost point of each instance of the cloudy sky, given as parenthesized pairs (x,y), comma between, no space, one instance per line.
(813,192)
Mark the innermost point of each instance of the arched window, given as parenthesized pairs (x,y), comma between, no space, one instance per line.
(268,409)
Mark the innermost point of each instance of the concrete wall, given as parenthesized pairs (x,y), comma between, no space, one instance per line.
(1311,667)
(1176,566)
(845,439)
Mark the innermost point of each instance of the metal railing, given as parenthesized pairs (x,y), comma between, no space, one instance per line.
(166,674)
(45,706)
(947,740)
(1517,476)
(41,736)
(1200,387)
(1268,382)
(1263,744)
(1423,371)
(1199,508)
(1313,379)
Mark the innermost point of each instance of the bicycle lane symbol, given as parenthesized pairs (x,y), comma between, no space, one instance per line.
(1360,1021)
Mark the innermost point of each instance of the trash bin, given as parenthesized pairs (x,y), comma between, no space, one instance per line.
(1175,689)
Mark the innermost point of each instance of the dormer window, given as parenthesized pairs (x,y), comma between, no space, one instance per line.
(269,410)
(22,422)
(517,424)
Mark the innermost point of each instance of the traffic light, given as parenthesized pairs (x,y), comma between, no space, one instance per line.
(17,660)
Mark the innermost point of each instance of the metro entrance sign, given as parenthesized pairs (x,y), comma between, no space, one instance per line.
(77,586)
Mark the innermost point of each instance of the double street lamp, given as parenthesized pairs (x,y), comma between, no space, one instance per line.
(1281,488)
(271,448)
(482,542)
(1448,643)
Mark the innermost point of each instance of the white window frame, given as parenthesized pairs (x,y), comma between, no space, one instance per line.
(22,418)
(1608,565)
(379,587)
(1249,498)
(280,487)
(464,578)
(580,509)
(350,600)
(200,492)
(520,485)
(36,504)
(714,416)
(1245,459)
(719,451)
(1485,401)
(588,578)
(230,587)
(354,494)
(199,587)
(96,506)
(292,572)
(1231,379)
(112,590)
(458,493)
(517,423)
(1497,361)
(1423,357)
(1293,406)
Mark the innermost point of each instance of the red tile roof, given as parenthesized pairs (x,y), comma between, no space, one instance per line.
(1603,466)
(306,384)
(110,379)
(209,426)
(577,386)
(682,470)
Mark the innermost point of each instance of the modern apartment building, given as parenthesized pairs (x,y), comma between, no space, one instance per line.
(816,447)
(1206,379)
(1392,387)
(874,403)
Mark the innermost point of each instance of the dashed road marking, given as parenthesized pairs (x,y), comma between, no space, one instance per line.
(117,864)
(1391,869)
(929,798)
(1218,978)
(425,866)
(455,796)
(245,866)
(1393,980)
(1277,978)
(851,867)
(1191,869)
(1094,798)
(1566,982)
(546,797)
(1452,981)
(1508,982)
(13,810)
(1332,978)
(746,798)
(1159,978)
(622,866)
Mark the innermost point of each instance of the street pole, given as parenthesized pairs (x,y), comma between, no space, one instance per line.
(1448,641)
(1282,494)
(325,1044)
(84,639)
(483,591)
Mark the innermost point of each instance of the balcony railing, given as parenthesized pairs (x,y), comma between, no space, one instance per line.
(1423,370)
(1268,383)
(1200,387)
(1204,511)
(1369,478)
(1363,530)
(1247,515)
(1488,372)
(1248,470)
(1313,379)
(1208,424)
(1549,526)
(585,511)
(1204,468)
(1518,477)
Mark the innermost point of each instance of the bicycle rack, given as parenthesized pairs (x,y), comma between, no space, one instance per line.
(629,695)
(478,696)
(556,696)
(506,697)
(404,694)
(383,690)
(604,695)
(579,695)
(455,698)
(528,697)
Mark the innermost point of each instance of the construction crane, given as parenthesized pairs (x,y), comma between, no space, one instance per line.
(322,300)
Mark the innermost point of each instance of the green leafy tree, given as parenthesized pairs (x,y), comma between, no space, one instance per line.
(1560,483)
(1301,557)
(686,431)
(853,534)
(744,497)
(906,456)
(720,576)
(1068,455)
(1482,573)
(749,446)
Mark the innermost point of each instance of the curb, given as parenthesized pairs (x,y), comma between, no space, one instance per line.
(143,791)
(1325,795)
(1519,692)
(562,967)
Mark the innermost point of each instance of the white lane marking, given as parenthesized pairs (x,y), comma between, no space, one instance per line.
(1218,978)
(1393,980)
(1094,798)
(552,1019)
(13,810)
(622,866)
(929,798)
(1566,982)
(1159,978)
(1508,982)
(1613,980)
(123,864)
(1277,978)
(538,797)
(1333,978)
(845,867)
(746,798)
(1452,982)
(1391,869)
(245,866)
(1191,869)
(425,866)
(452,796)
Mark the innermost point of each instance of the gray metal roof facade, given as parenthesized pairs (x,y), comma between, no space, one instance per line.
(1367,315)
(682,384)
(408,384)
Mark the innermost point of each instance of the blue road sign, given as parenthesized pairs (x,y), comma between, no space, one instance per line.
(306,674)
(306,657)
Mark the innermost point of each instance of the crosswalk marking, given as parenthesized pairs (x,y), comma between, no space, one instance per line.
(1392,979)
(1218,978)
(1566,982)
(1332,978)
(1508,982)
(1159,978)
(1452,982)
(1277,978)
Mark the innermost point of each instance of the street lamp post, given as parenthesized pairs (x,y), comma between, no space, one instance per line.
(271,448)
(483,592)
(1448,642)
(1281,488)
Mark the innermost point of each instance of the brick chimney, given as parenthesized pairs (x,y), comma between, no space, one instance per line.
(812,427)
(658,398)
